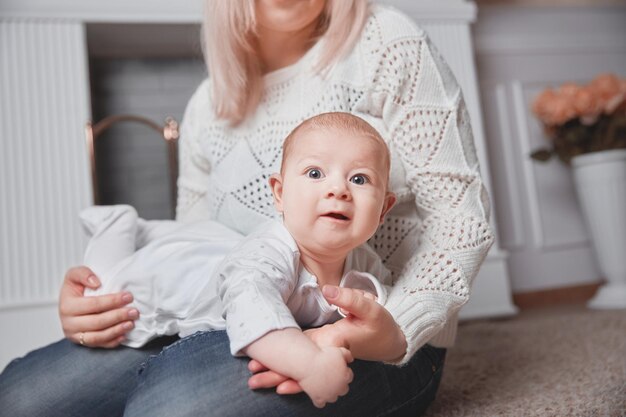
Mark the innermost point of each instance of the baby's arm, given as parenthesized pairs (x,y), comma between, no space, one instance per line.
(256,280)
(321,372)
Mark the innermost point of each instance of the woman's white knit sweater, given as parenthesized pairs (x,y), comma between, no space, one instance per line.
(437,235)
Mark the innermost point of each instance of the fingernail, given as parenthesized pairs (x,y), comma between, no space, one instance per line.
(93,281)
(133,314)
(127,297)
(330,291)
(127,326)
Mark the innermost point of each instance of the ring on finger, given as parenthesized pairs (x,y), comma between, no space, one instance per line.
(81,338)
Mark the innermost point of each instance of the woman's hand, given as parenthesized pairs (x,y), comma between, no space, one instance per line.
(369,332)
(99,321)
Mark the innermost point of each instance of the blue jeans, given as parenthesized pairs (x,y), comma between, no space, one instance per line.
(196,376)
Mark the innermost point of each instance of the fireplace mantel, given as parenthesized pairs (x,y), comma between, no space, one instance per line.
(119,11)
(190,11)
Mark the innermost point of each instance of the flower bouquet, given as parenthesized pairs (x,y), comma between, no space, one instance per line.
(580,119)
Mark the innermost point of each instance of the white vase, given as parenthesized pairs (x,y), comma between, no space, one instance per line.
(600,179)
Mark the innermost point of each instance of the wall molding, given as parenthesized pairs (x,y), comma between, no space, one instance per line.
(190,11)
(437,10)
(580,29)
(139,11)
(521,116)
(505,128)
(31,303)
(556,45)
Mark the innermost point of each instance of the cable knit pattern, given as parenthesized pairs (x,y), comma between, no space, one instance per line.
(435,238)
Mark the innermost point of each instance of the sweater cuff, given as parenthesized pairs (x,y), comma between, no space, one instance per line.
(423,318)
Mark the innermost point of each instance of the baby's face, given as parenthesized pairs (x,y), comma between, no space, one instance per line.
(333,190)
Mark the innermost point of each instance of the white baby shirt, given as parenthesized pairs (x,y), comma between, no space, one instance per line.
(204,276)
(264,286)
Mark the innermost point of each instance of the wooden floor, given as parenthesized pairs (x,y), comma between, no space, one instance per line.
(580,294)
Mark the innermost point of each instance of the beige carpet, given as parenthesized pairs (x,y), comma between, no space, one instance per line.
(550,363)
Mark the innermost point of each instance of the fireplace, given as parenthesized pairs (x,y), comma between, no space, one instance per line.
(130,74)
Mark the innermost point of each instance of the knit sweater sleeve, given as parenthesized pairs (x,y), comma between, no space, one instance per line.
(423,110)
(192,202)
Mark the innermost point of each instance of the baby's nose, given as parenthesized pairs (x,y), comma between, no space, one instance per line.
(338,190)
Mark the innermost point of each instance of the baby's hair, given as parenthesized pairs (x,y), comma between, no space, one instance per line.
(336,120)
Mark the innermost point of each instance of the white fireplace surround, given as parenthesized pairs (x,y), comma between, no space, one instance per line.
(167,11)
(44,182)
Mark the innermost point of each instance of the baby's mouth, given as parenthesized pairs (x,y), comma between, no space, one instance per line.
(337,216)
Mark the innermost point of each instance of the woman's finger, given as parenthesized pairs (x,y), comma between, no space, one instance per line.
(266,379)
(107,338)
(112,344)
(255,366)
(361,293)
(369,296)
(82,275)
(80,306)
(350,300)
(101,321)
(288,387)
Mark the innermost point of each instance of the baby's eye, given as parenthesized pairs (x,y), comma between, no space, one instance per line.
(359,179)
(314,173)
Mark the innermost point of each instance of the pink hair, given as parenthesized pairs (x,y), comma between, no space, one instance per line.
(230,49)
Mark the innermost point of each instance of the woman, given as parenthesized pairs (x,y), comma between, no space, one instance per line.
(272,64)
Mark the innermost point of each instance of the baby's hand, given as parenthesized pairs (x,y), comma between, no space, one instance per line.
(328,376)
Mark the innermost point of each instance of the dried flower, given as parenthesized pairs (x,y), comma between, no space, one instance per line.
(587,105)
(581,119)
(608,89)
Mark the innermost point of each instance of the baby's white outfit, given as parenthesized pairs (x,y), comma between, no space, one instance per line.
(204,276)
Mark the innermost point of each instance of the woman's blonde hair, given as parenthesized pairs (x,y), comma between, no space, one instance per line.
(229,43)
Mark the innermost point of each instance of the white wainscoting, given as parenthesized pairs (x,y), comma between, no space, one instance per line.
(539,220)
(44,178)
(43,159)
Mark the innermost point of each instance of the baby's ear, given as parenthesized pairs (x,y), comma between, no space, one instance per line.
(276,185)
(390,200)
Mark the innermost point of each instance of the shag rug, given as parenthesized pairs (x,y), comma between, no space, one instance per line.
(559,362)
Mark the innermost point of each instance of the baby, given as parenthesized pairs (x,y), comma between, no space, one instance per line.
(332,195)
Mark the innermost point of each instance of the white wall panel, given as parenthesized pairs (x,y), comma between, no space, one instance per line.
(43,182)
(540,221)
(43,165)
(512,230)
